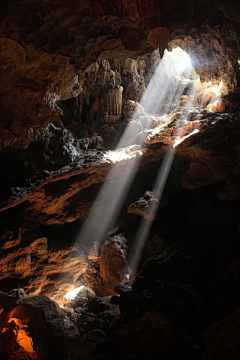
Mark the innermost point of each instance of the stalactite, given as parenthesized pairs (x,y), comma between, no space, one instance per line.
(114,101)
(114,104)
(80,102)
(87,98)
(231,29)
(237,31)
(159,39)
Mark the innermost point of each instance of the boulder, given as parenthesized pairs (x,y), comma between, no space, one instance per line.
(223,338)
(112,262)
(24,333)
(78,297)
(147,206)
(53,313)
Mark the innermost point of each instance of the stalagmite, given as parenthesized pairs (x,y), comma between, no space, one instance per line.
(159,39)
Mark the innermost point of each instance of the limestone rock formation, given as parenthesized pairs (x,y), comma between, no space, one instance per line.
(78,297)
(222,333)
(53,314)
(113,273)
(143,206)
(216,65)
(74,79)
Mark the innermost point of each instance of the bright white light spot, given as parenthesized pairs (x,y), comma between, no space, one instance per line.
(181,59)
(213,106)
(123,154)
(185,137)
(216,89)
(71,295)
(173,77)
(115,156)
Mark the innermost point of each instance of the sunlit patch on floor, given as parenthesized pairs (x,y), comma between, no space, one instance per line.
(123,154)
(72,295)
(78,297)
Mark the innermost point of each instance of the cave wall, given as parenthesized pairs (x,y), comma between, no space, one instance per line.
(33,81)
(59,63)
(70,37)
(211,55)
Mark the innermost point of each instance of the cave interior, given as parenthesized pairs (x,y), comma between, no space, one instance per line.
(120,180)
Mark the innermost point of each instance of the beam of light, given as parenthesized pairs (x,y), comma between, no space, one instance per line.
(145,226)
(168,72)
(158,188)
(104,213)
(167,79)
(181,58)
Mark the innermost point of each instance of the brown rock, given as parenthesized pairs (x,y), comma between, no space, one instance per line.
(23,329)
(214,155)
(43,275)
(112,262)
(215,68)
(147,206)
(160,340)
(223,339)
(78,297)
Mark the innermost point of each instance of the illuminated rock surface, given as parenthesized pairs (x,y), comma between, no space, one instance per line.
(142,206)
(72,77)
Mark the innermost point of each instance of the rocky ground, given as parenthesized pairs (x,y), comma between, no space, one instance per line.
(187,291)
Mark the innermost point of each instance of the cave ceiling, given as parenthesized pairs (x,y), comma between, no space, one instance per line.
(85,31)
(47,48)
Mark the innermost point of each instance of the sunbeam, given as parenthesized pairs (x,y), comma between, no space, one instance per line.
(145,226)
(173,77)
(103,214)
(158,188)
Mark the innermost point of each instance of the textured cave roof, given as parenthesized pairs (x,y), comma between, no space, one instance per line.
(86,30)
